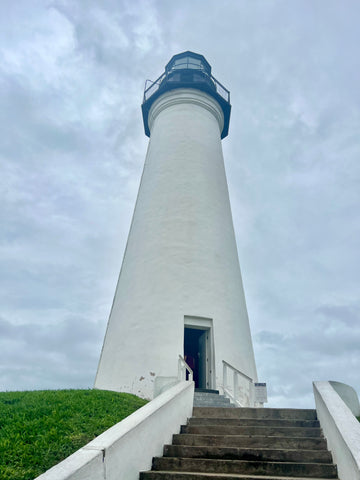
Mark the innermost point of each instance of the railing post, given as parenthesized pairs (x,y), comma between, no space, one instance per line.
(224,376)
(236,385)
(180,370)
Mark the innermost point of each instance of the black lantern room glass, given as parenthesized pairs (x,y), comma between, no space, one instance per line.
(188,60)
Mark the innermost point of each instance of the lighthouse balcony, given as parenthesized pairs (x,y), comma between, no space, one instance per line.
(191,78)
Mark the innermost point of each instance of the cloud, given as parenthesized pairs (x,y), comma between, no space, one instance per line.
(340,314)
(48,355)
(326,347)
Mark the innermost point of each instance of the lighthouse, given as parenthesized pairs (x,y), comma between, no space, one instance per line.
(180,289)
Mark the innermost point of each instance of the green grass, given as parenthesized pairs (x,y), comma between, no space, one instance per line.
(39,429)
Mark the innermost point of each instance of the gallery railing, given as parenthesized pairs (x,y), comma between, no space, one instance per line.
(152,87)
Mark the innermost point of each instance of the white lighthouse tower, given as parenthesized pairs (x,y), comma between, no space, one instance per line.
(180,290)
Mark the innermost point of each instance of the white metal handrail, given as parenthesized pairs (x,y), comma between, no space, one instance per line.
(232,391)
(182,368)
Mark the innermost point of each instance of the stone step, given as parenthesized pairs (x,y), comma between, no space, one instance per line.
(249,430)
(258,413)
(251,441)
(268,422)
(246,443)
(205,390)
(211,400)
(208,395)
(214,405)
(217,405)
(319,470)
(164,475)
(239,453)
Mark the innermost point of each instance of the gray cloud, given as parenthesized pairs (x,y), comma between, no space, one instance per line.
(53,355)
(326,345)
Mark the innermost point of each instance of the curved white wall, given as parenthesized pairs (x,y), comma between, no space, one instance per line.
(181,256)
(341,428)
(348,396)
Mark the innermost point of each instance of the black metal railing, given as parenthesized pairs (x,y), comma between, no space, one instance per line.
(154,86)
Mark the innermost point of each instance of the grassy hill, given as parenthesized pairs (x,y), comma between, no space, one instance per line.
(38,429)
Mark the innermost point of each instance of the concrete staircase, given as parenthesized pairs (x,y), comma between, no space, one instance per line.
(247,444)
(210,398)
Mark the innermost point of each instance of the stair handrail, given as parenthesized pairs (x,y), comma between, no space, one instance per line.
(182,368)
(233,393)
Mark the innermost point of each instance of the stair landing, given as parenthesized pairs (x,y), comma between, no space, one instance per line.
(210,398)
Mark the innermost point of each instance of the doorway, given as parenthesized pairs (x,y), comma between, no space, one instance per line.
(197,354)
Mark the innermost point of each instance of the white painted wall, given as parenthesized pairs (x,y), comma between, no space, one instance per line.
(181,257)
(340,427)
(128,447)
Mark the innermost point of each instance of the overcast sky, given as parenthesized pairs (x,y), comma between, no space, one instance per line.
(71,154)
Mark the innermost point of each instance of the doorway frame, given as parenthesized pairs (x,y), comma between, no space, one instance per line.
(205,324)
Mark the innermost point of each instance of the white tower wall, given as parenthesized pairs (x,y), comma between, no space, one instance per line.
(181,258)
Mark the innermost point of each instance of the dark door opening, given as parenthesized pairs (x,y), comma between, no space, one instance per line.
(196,355)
